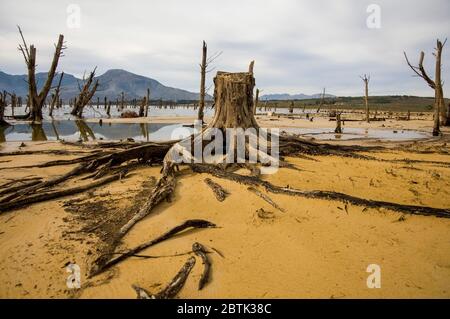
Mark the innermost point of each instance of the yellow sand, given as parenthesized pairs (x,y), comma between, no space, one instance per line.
(316,248)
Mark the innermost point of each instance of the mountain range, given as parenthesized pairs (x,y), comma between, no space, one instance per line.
(111,84)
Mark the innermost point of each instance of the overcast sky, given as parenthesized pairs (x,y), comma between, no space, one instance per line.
(298,46)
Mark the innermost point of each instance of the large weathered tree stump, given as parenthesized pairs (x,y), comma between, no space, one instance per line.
(233,101)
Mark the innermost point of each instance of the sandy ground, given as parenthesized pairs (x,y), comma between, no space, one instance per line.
(315,249)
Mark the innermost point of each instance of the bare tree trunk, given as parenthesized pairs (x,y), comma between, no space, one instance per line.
(256,102)
(366,80)
(233,99)
(142,107)
(2,109)
(322,99)
(202,83)
(85,95)
(148,102)
(36,99)
(291,107)
(436,85)
(55,99)
(338,124)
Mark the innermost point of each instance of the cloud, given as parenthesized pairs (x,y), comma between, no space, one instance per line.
(298,46)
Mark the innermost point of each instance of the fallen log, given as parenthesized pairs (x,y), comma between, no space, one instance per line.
(54,181)
(173,288)
(201,251)
(327,195)
(36,198)
(104,262)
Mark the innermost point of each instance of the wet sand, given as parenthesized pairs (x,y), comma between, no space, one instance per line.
(315,249)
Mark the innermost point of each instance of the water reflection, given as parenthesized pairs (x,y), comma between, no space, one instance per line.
(87,131)
(37,132)
(75,130)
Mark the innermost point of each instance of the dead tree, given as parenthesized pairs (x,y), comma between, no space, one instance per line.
(202,82)
(55,99)
(142,107)
(85,95)
(148,102)
(322,100)
(36,99)
(440,110)
(2,109)
(291,107)
(366,80)
(203,70)
(256,102)
(338,129)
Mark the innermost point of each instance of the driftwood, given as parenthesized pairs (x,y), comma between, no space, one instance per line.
(173,288)
(201,251)
(266,198)
(104,262)
(327,195)
(40,197)
(218,190)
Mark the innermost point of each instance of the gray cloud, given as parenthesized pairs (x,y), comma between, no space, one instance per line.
(298,46)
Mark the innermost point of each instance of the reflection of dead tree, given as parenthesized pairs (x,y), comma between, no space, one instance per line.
(85,95)
(55,99)
(366,80)
(85,130)
(37,132)
(36,99)
(436,85)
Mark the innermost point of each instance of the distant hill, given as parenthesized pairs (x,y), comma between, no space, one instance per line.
(286,97)
(112,83)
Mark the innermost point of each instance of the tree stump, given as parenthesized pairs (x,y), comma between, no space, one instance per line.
(233,101)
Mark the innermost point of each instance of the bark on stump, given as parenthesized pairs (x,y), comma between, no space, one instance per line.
(233,101)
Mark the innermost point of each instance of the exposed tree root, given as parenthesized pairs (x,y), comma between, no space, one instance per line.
(40,197)
(173,288)
(53,152)
(162,190)
(54,181)
(327,195)
(218,190)
(266,198)
(25,182)
(104,262)
(201,251)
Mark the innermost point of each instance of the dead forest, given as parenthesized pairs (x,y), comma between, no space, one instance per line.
(235,105)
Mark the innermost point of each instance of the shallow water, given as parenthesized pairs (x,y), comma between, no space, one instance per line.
(74,130)
(63,113)
(87,131)
(358,133)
